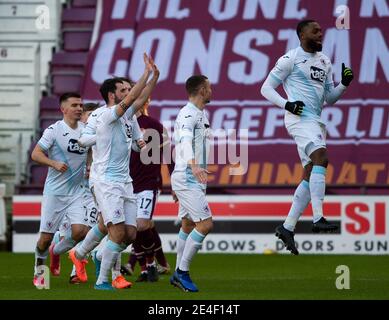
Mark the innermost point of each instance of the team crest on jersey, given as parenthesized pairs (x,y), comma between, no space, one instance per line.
(74,147)
(49,224)
(117,213)
(318,74)
(128,131)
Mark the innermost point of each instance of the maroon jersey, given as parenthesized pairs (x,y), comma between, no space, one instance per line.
(147,176)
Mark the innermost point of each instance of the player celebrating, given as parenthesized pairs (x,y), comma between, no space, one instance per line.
(113,91)
(147,181)
(306,75)
(189,178)
(62,194)
(110,175)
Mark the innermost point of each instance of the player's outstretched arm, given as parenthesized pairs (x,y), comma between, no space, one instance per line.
(137,89)
(39,156)
(146,92)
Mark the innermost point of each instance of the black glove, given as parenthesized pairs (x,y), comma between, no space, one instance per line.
(347,75)
(296,107)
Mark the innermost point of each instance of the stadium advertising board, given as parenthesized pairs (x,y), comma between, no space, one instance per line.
(236,43)
(245,224)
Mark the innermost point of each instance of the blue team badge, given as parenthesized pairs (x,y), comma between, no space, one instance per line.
(128,131)
(117,213)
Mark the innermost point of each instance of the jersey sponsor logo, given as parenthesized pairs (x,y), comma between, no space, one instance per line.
(318,74)
(65,134)
(74,147)
(94,115)
(50,128)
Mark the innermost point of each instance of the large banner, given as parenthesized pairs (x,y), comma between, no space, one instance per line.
(236,43)
(245,224)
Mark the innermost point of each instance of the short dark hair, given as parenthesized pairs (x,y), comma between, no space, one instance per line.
(193,84)
(109,85)
(128,80)
(68,95)
(90,107)
(302,24)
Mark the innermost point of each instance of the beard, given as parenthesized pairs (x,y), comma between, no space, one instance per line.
(315,46)
(117,100)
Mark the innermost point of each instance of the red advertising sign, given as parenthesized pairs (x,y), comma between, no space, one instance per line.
(236,43)
(245,224)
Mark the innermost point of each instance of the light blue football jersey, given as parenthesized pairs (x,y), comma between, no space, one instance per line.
(60,142)
(191,134)
(305,77)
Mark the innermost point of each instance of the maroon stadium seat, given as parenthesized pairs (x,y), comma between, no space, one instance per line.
(78,17)
(84,3)
(76,40)
(45,122)
(49,103)
(66,82)
(54,113)
(69,61)
(38,174)
(30,189)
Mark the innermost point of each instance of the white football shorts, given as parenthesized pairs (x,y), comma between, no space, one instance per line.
(116,201)
(309,137)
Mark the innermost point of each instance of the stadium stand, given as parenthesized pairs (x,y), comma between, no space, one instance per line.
(36,65)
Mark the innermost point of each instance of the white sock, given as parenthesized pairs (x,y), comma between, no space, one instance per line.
(111,252)
(317,186)
(64,245)
(73,273)
(57,237)
(301,199)
(182,236)
(99,253)
(40,255)
(91,241)
(116,267)
(192,245)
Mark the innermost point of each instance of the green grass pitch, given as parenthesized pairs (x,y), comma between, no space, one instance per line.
(219,277)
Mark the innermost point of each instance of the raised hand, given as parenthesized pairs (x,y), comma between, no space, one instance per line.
(155,68)
(148,62)
(347,75)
